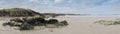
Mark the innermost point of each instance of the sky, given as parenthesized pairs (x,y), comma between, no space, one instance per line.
(66,6)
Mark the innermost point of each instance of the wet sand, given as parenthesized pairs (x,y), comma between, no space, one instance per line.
(77,25)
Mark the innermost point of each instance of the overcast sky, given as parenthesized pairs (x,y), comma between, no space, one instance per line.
(66,6)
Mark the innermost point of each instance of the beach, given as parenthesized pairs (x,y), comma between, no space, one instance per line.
(77,25)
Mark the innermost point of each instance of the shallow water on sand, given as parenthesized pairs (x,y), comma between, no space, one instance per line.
(77,25)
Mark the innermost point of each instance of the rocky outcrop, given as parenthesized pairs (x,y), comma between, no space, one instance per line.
(29,23)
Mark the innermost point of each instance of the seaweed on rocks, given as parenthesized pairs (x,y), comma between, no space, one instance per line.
(108,22)
(30,23)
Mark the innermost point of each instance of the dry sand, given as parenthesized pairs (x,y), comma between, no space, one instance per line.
(77,25)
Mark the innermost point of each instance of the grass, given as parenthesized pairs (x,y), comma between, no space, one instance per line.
(14,9)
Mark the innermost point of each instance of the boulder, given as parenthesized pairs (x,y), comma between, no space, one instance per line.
(64,22)
(17,20)
(29,23)
(52,21)
(26,26)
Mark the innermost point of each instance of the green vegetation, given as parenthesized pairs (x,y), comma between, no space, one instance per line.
(17,12)
(108,22)
(15,9)
(22,12)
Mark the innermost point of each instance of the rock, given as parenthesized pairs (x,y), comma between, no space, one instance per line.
(52,21)
(26,26)
(29,23)
(11,24)
(17,20)
(35,21)
(5,24)
(39,19)
(64,22)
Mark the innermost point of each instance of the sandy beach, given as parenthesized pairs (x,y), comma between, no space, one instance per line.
(77,25)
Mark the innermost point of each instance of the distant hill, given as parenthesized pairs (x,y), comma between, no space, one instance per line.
(22,12)
(56,14)
(18,12)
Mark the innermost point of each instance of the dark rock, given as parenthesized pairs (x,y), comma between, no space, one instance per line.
(39,19)
(8,23)
(11,24)
(64,22)
(29,23)
(17,20)
(5,24)
(26,26)
(52,21)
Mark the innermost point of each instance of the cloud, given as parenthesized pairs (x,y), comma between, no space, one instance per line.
(65,6)
(58,1)
(33,0)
